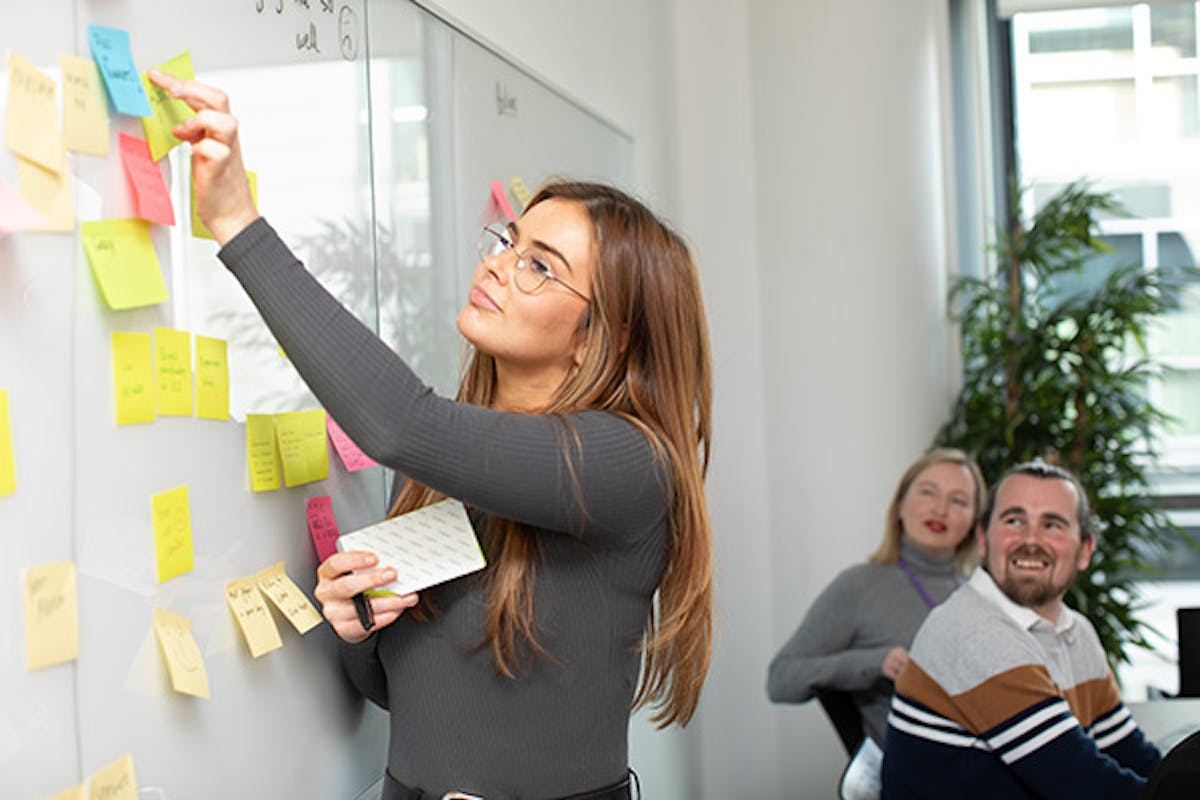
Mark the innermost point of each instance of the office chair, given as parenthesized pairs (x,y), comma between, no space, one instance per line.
(844,715)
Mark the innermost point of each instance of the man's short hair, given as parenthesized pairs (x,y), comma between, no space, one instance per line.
(1040,469)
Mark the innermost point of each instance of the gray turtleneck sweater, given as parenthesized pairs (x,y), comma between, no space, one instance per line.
(866,611)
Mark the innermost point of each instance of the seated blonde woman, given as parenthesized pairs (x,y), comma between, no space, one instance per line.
(854,638)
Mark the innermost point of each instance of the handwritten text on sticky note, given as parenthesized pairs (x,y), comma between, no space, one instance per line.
(133,377)
(179,648)
(124,262)
(252,615)
(110,48)
(212,378)
(172,533)
(287,597)
(51,615)
(173,371)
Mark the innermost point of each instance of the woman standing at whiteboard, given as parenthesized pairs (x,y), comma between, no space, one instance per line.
(579,442)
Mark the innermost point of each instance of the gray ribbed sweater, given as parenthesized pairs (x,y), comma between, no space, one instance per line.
(840,644)
(456,724)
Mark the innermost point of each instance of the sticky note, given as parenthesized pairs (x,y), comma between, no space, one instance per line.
(179,649)
(49,193)
(110,48)
(212,378)
(85,111)
(322,526)
(168,112)
(116,781)
(74,793)
(173,371)
(8,464)
(31,118)
(199,229)
(133,377)
(15,213)
(354,458)
(500,198)
(520,191)
(151,198)
(261,453)
(252,615)
(124,262)
(51,615)
(287,597)
(302,448)
(172,533)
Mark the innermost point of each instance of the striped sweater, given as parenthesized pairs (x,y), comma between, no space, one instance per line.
(996,702)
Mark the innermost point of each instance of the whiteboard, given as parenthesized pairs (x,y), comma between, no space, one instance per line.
(374,131)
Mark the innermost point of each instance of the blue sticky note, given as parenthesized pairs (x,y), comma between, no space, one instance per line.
(110,48)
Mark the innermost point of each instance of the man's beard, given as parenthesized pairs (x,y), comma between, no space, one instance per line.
(1031,592)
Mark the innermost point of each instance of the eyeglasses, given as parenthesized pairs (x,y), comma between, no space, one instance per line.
(533,266)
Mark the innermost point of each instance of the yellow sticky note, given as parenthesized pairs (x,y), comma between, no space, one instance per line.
(8,464)
(51,615)
(74,793)
(173,371)
(168,112)
(302,446)
(261,453)
(31,119)
(115,782)
(287,597)
(520,192)
(184,663)
(124,262)
(85,107)
(252,615)
(48,192)
(212,378)
(199,229)
(172,532)
(133,377)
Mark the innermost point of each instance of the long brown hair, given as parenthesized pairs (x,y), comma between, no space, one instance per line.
(893,531)
(646,358)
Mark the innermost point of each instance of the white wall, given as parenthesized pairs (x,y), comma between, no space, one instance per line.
(818,218)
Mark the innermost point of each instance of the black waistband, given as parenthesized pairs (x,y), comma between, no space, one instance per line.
(395,790)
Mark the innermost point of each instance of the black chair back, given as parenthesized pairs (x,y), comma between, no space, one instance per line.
(846,719)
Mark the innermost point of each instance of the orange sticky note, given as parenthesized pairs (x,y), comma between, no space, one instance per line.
(302,448)
(31,118)
(124,262)
(51,615)
(212,378)
(199,229)
(168,112)
(85,108)
(172,533)
(354,458)
(184,663)
(173,371)
(252,615)
(116,781)
(322,526)
(8,464)
(48,192)
(262,455)
(133,377)
(150,194)
(16,214)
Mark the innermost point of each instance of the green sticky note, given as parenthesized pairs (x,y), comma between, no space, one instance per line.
(133,377)
(302,446)
(173,371)
(212,378)
(167,111)
(124,263)
(172,533)
(261,453)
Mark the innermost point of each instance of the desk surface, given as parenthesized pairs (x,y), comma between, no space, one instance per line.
(1166,722)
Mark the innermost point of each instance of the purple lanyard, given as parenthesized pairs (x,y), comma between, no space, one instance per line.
(916,582)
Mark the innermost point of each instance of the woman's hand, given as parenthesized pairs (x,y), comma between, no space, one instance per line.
(337,585)
(223,197)
(894,662)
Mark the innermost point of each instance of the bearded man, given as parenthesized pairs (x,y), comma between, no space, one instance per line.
(1007,693)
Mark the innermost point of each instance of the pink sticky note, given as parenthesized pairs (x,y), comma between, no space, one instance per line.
(322,526)
(15,213)
(351,456)
(500,198)
(149,188)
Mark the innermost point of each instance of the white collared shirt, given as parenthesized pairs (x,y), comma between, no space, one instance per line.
(1028,619)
